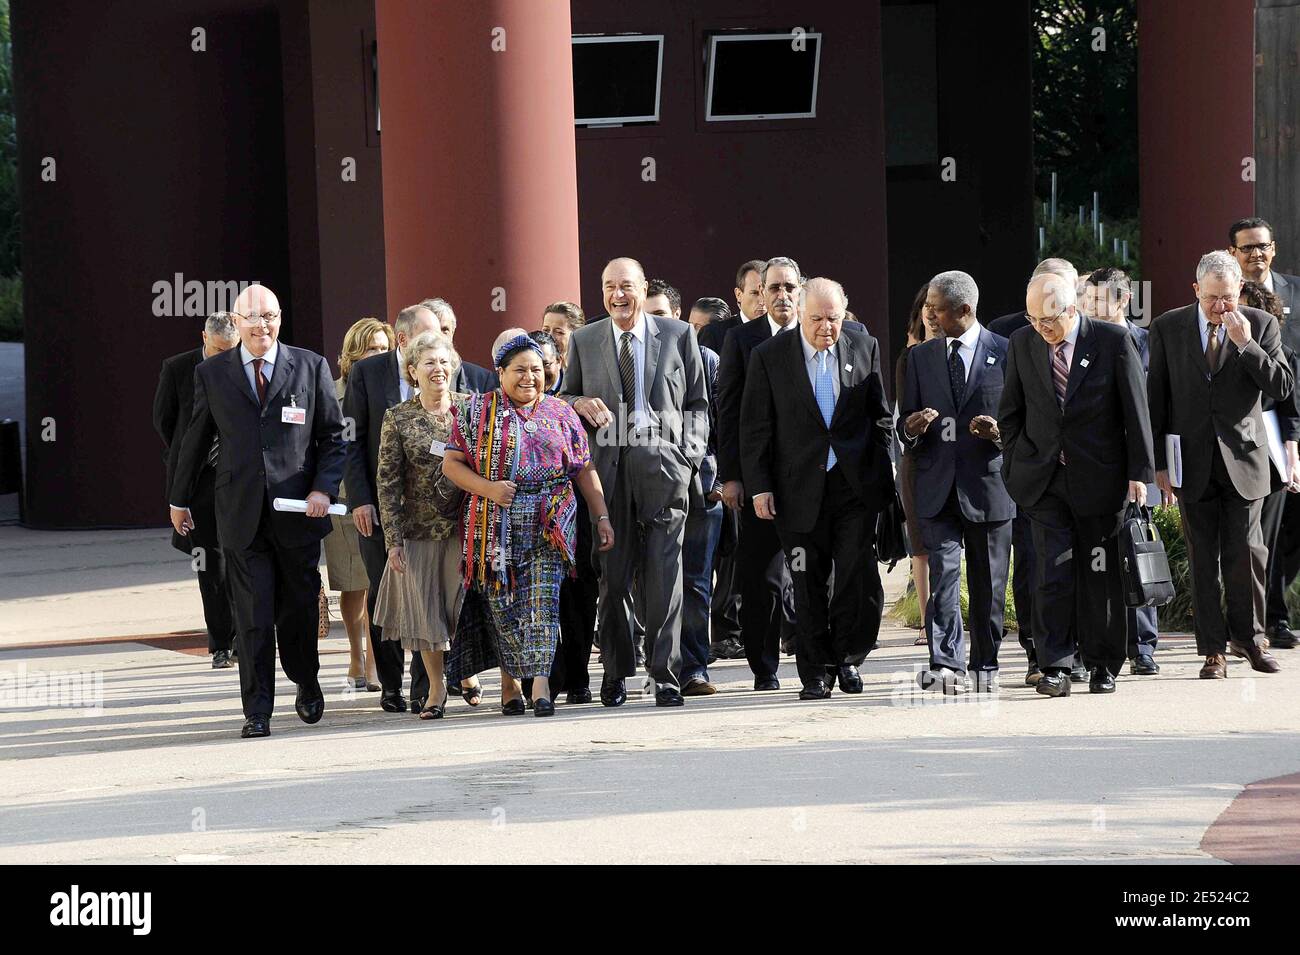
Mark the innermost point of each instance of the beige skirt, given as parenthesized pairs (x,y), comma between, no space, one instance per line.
(343,556)
(420,607)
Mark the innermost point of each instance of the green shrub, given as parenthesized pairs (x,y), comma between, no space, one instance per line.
(11,308)
(908,608)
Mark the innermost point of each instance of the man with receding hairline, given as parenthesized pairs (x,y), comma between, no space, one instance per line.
(1076,443)
(276,414)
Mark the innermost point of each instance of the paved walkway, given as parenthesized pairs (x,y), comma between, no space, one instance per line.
(146,766)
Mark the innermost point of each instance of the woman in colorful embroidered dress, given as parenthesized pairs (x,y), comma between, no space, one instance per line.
(518,453)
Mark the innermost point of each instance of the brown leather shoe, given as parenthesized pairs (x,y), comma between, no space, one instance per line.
(1259,658)
(1216,667)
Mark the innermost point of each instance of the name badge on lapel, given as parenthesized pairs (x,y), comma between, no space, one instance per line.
(293,414)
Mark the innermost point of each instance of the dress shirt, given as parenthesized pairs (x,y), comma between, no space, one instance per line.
(812,364)
(639,419)
(969,339)
(268,367)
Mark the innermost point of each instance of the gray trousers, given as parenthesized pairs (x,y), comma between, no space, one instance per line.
(647,540)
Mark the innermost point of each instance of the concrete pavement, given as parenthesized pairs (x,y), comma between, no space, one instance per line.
(144,764)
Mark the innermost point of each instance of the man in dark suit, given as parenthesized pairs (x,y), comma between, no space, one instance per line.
(1022,538)
(1107,293)
(637,382)
(375,384)
(1076,446)
(947,416)
(816,440)
(1252,244)
(749,305)
(1211,364)
(273,409)
(760,564)
(173,404)
(470,378)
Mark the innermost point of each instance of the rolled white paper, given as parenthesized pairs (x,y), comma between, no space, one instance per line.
(300,507)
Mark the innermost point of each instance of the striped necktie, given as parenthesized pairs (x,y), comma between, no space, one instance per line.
(627,372)
(1060,373)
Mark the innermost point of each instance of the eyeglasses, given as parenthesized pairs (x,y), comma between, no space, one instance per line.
(1260,247)
(269,318)
(1228,300)
(1049,320)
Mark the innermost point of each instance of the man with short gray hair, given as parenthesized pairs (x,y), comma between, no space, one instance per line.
(172,406)
(1211,364)
(470,378)
(948,417)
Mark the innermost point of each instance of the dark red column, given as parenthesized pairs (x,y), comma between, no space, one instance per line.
(480,182)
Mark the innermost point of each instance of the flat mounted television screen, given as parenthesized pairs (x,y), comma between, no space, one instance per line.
(616,79)
(762,76)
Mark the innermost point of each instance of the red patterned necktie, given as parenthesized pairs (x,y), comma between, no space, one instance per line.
(261,381)
(1060,378)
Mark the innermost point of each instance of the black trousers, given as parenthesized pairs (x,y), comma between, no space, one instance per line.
(388,655)
(1222,531)
(1022,582)
(838,627)
(1078,592)
(1279,508)
(577,614)
(214,589)
(760,567)
(724,612)
(276,590)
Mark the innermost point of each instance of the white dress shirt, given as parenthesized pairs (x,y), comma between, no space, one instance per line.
(969,339)
(268,368)
(403,386)
(639,419)
(778,329)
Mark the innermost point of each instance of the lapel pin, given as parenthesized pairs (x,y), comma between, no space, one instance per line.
(848,367)
(990,360)
(1083,362)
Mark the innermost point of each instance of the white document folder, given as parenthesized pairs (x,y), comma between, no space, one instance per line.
(300,507)
(1276,450)
(1174,459)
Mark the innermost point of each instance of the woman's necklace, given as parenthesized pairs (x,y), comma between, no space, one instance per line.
(442,417)
(529,424)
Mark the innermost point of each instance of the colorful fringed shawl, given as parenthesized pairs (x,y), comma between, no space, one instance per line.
(492,436)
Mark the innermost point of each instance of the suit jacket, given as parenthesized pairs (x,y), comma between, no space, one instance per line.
(943,460)
(709,463)
(1141,342)
(373,388)
(676,399)
(474,379)
(1104,428)
(1007,324)
(263,457)
(1182,391)
(1287,288)
(173,403)
(714,334)
(785,439)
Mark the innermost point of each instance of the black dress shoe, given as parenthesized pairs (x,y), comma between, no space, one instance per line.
(815,690)
(1033,675)
(1143,665)
(255,726)
(1101,681)
(582,695)
(613,692)
(515,707)
(1279,638)
(850,679)
(543,707)
(767,683)
(1078,673)
(393,702)
(1054,684)
(669,696)
(221,660)
(310,703)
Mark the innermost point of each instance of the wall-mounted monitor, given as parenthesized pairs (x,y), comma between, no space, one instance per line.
(762,76)
(616,79)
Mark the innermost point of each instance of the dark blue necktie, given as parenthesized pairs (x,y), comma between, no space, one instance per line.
(957,375)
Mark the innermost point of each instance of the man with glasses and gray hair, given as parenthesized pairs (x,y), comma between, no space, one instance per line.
(172,406)
(1076,446)
(1212,363)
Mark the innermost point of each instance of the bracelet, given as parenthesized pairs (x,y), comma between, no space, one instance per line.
(603,517)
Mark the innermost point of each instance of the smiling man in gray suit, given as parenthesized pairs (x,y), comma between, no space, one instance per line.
(637,382)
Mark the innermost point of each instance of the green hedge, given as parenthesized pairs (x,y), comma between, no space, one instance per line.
(11,308)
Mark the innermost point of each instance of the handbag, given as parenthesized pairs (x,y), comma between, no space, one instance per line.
(891,533)
(448,499)
(323,615)
(1144,565)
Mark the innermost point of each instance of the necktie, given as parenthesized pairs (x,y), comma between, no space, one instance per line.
(1060,372)
(957,374)
(824,391)
(214,451)
(1213,349)
(261,382)
(627,372)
